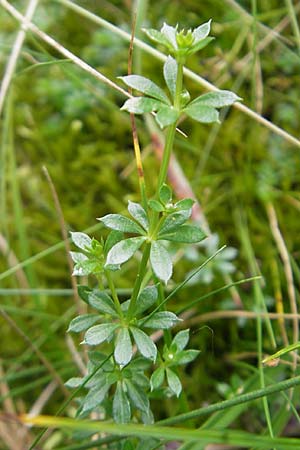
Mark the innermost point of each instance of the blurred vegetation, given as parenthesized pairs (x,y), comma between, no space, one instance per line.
(58,116)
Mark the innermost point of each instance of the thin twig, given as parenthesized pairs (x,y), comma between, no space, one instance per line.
(16,49)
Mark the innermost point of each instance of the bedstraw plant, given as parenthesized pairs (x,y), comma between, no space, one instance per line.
(125,365)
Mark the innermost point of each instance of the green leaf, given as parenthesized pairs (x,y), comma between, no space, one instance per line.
(144,343)
(139,364)
(157,378)
(170,34)
(121,405)
(165,194)
(166,115)
(95,397)
(174,220)
(102,302)
(181,339)
(160,320)
(155,205)
(137,396)
(146,298)
(160,261)
(86,266)
(157,37)
(173,382)
(145,86)
(124,250)
(99,333)
(281,352)
(201,32)
(74,382)
(78,257)
(121,223)
(112,239)
(188,234)
(83,292)
(141,105)
(82,322)
(216,99)
(170,74)
(186,203)
(200,45)
(123,347)
(186,356)
(81,240)
(139,214)
(202,113)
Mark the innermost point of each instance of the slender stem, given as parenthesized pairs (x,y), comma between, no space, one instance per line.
(113,293)
(139,280)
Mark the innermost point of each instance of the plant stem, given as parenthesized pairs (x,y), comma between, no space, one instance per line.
(113,293)
(138,281)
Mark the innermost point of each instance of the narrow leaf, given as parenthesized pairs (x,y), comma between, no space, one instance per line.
(216,99)
(123,347)
(157,378)
(121,405)
(83,322)
(281,352)
(99,333)
(102,302)
(201,32)
(188,234)
(170,74)
(166,115)
(155,205)
(186,356)
(74,382)
(186,203)
(165,194)
(146,298)
(173,221)
(202,113)
(144,343)
(181,339)
(161,319)
(124,250)
(173,382)
(139,214)
(141,105)
(145,86)
(95,397)
(156,36)
(160,261)
(121,223)
(112,239)
(170,34)
(81,240)
(137,396)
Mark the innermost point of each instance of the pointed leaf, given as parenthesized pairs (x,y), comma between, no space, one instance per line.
(165,194)
(186,356)
(173,382)
(216,99)
(124,250)
(78,257)
(156,36)
(121,405)
(137,396)
(112,239)
(160,261)
(201,32)
(186,203)
(173,221)
(200,45)
(123,347)
(145,86)
(144,343)
(82,322)
(188,234)
(170,34)
(202,113)
(95,397)
(156,205)
(121,223)
(161,320)
(181,339)
(166,115)
(74,382)
(81,240)
(141,105)
(102,302)
(170,74)
(139,214)
(99,333)
(146,298)
(157,378)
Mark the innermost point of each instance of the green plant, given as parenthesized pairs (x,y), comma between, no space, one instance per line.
(130,368)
